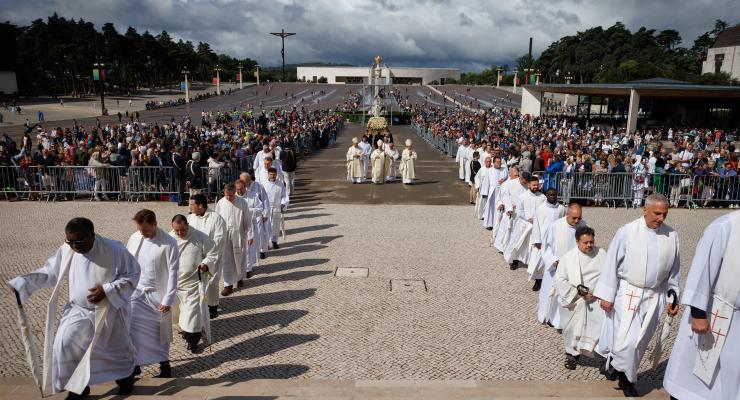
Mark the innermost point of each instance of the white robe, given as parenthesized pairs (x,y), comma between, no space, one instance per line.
(380,164)
(519,245)
(481,183)
(547,214)
(113,355)
(509,196)
(354,164)
(408,166)
(259,207)
(490,207)
(548,308)
(582,320)
(238,232)
(151,330)
(195,248)
(214,226)
(366,150)
(710,259)
(613,287)
(278,204)
(461,158)
(393,155)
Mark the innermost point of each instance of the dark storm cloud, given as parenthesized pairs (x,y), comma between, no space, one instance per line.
(470,34)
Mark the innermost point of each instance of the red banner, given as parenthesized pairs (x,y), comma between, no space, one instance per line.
(215,80)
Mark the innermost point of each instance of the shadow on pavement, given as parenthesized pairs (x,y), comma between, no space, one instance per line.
(292,276)
(307,248)
(307,216)
(258,300)
(286,265)
(319,239)
(226,328)
(312,228)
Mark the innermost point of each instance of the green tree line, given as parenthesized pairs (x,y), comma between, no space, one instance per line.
(615,55)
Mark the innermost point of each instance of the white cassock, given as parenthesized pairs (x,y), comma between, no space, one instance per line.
(378,161)
(547,214)
(509,197)
(713,287)
(195,248)
(461,158)
(278,204)
(354,164)
(262,175)
(641,265)
(259,207)
(238,232)
(519,245)
(258,162)
(112,357)
(151,330)
(408,166)
(491,214)
(366,150)
(480,181)
(559,239)
(468,166)
(214,226)
(393,155)
(256,189)
(581,320)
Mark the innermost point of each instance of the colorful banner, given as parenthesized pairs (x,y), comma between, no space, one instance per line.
(238,76)
(96,74)
(183,86)
(215,80)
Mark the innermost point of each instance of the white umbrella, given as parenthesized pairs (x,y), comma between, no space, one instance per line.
(204,314)
(664,330)
(28,342)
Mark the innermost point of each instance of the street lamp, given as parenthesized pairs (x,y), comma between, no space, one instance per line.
(537,77)
(239,67)
(187,84)
(99,75)
(516,75)
(568,79)
(498,75)
(257,73)
(218,80)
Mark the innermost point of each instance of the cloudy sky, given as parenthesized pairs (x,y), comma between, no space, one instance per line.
(469,34)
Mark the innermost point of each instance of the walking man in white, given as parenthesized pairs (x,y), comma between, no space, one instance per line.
(481,183)
(704,362)
(354,163)
(210,223)
(547,213)
(151,320)
(366,148)
(517,250)
(197,255)
(279,203)
(496,177)
(408,164)
(251,260)
(235,212)
(461,158)
(92,343)
(509,197)
(642,266)
(577,274)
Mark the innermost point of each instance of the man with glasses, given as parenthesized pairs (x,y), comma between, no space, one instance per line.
(100,276)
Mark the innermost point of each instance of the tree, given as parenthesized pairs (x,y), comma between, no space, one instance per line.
(668,39)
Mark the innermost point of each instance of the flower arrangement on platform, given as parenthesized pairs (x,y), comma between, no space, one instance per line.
(377,124)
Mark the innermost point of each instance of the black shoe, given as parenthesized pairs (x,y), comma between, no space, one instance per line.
(275,245)
(537,285)
(213,311)
(489,229)
(75,396)
(512,266)
(125,385)
(250,274)
(560,331)
(550,324)
(570,361)
(263,255)
(609,373)
(628,388)
(137,371)
(165,370)
(240,283)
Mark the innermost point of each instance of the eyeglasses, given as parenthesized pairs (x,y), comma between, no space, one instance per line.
(75,243)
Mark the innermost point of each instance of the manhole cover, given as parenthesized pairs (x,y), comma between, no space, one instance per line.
(351,272)
(408,285)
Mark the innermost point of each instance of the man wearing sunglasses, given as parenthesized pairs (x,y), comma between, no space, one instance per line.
(100,276)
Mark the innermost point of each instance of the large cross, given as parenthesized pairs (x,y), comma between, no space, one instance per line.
(632,295)
(715,316)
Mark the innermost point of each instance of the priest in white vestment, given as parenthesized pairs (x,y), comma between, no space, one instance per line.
(354,163)
(547,213)
(259,206)
(151,319)
(100,276)
(210,223)
(366,148)
(251,259)
(559,239)
(493,207)
(642,265)
(393,157)
(462,159)
(380,164)
(577,274)
(704,363)
(261,175)
(517,250)
(235,212)
(408,164)
(481,182)
(278,205)
(509,197)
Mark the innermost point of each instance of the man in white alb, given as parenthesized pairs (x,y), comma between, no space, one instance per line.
(354,163)
(235,212)
(251,260)
(509,198)
(462,159)
(151,319)
(496,177)
(481,183)
(517,250)
(366,148)
(278,204)
(408,164)
(210,223)
(547,213)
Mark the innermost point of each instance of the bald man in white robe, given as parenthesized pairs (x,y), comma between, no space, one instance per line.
(481,183)
(547,213)
(210,223)
(509,197)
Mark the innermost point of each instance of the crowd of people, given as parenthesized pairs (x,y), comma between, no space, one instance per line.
(376,154)
(609,303)
(696,167)
(187,153)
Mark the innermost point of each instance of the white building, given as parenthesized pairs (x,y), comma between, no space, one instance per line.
(396,75)
(724,55)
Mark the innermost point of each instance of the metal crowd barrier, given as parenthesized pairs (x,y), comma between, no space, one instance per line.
(444,145)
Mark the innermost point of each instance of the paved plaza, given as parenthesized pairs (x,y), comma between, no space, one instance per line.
(455,311)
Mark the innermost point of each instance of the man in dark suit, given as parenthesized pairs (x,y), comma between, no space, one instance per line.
(178,166)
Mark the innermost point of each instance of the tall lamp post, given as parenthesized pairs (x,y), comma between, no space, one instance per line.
(516,75)
(241,85)
(568,79)
(282,34)
(187,84)
(498,76)
(99,75)
(218,80)
(257,73)
(537,77)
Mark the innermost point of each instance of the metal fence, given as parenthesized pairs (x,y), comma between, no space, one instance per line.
(447,146)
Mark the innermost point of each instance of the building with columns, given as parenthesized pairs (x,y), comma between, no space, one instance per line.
(395,75)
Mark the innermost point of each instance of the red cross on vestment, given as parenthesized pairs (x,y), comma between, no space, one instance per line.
(632,296)
(718,333)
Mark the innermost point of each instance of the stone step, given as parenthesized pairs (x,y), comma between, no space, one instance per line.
(202,389)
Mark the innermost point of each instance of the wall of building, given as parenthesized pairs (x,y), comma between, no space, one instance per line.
(337,74)
(730,64)
(8,83)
